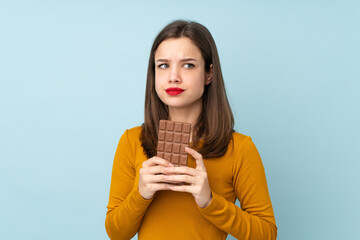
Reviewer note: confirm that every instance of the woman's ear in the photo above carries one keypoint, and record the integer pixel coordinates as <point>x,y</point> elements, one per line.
<point>209,75</point>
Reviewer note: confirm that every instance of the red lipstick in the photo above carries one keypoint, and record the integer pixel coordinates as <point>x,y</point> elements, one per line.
<point>174,91</point>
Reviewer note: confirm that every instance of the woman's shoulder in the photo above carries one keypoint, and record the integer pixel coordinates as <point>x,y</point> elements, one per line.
<point>242,142</point>
<point>132,135</point>
<point>134,132</point>
<point>240,138</point>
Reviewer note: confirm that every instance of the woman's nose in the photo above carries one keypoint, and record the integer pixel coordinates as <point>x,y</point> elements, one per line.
<point>175,75</point>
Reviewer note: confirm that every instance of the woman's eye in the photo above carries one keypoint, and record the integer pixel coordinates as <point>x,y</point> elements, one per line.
<point>163,66</point>
<point>189,65</point>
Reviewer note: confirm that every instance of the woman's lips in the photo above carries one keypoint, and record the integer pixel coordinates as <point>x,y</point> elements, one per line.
<point>174,91</point>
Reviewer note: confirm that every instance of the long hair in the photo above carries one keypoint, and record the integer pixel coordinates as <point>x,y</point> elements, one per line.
<point>215,124</point>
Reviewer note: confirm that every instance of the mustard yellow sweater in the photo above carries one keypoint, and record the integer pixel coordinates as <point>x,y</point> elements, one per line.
<point>175,215</point>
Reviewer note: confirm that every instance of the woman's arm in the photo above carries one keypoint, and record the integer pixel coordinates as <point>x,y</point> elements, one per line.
<point>126,207</point>
<point>255,219</point>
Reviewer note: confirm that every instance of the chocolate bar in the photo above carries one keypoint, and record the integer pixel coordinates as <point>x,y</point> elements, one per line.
<point>173,137</point>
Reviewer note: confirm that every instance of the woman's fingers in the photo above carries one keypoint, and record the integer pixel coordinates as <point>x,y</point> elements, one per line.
<point>157,174</point>
<point>153,170</point>
<point>182,188</point>
<point>196,179</point>
<point>150,178</point>
<point>156,161</point>
<point>193,153</point>
<point>158,186</point>
<point>161,178</point>
<point>198,157</point>
<point>181,170</point>
<point>179,179</point>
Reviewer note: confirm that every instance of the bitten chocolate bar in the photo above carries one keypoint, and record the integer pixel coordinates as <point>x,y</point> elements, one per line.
<point>173,137</point>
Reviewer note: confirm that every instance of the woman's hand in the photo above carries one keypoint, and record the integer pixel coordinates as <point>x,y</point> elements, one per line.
<point>197,180</point>
<point>151,178</point>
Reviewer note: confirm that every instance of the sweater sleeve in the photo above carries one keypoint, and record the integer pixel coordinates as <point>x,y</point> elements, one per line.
<point>255,219</point>
<point>126,206</point>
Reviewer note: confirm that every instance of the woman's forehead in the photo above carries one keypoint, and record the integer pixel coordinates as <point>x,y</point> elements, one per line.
<point>177,48</point>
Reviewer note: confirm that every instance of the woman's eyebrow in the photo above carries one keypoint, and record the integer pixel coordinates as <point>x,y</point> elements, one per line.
<point>188,59</point>
<point>162,60</point>
<point>182,60</point>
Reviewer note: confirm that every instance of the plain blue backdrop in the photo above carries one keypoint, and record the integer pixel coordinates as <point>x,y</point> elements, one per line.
<point>72,79</point>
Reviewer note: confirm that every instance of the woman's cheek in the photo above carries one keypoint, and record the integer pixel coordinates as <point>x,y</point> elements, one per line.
<point>158,92</point>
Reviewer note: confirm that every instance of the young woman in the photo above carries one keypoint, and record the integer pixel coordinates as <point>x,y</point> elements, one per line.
<point>150,196</point>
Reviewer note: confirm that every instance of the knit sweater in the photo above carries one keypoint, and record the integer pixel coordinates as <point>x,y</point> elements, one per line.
<point>238,174</point>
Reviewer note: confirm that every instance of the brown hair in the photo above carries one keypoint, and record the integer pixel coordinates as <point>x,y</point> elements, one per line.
<point>215,124</point>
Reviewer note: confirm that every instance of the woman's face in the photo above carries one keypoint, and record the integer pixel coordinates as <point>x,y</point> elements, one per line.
<point>180,75</point>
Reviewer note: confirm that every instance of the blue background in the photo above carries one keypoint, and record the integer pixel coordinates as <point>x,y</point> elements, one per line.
<point>72,79</point>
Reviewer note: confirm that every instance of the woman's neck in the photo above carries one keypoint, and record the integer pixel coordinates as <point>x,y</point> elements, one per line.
<point>180,115</point>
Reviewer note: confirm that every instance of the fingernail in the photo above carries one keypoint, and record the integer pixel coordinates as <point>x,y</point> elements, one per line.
<point>171,165</point>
